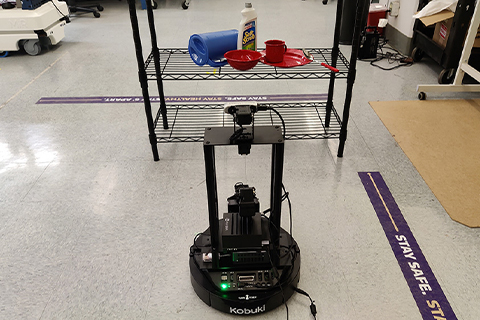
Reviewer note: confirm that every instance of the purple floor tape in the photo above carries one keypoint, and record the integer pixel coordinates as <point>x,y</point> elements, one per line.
<point>426,290</point>
<point>185,99</point>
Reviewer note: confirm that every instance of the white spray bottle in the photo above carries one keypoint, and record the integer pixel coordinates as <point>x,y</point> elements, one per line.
<point>247,31</point>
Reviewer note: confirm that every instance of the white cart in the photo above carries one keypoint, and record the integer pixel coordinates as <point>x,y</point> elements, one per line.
<point>32,28</point>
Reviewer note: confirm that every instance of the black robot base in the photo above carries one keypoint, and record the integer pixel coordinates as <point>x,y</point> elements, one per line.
<point>253,288</point>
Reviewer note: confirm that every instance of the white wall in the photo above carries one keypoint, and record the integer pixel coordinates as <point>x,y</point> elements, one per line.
<point>404,21</point>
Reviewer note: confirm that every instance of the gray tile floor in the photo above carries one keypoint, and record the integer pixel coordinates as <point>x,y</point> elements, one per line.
<point>92,228</point>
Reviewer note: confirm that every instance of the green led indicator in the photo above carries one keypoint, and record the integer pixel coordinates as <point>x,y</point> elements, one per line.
<point>224,286</point>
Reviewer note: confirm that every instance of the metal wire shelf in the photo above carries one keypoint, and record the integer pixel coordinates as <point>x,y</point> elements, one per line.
<point>176,64</point>
<point>187,122</point>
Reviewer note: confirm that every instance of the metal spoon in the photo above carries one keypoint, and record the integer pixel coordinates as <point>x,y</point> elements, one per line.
<point>309,56</point>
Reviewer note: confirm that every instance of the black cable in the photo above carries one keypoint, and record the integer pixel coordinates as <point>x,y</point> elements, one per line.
<point>270,258</point>
<point>196,237</point>
<point>392,56</point>
<point>290,210</point>
<point>279,283</point>
<point>284,196</point>
<point>313,307</point>
<point>265,107</point>
<point>236,134</point>
<point>64,17</point>
<point>281,119</point>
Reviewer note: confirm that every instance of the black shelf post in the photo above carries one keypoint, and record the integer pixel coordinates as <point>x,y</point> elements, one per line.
<point>333,63</point>
<point>142,77</point>
<point>362,5</point>
<point>156,61</point>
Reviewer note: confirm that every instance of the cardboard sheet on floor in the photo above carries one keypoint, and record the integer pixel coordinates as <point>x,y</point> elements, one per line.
<point>442,140</point>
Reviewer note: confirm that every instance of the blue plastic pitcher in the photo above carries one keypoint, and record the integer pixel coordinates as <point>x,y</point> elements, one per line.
<point>210,47</point>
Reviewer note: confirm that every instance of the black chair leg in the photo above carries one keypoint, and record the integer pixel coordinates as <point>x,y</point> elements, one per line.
<point>94,8</point>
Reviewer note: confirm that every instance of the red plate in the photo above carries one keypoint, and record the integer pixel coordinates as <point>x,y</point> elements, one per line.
<point>292,58</point>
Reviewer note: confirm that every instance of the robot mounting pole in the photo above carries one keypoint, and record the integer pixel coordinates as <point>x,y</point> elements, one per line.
<point>212,197</point>
<point>276,192</point>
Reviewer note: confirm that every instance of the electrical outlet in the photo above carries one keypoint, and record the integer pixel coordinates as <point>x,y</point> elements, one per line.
<point>394,8</point>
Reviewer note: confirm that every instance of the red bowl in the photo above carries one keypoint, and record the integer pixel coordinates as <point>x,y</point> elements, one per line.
<point>243,59</point>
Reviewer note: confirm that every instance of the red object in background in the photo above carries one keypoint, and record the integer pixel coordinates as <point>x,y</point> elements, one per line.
<point>375,13</point>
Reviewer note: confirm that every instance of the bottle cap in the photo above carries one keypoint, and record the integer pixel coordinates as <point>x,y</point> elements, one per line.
<point>248,4</point>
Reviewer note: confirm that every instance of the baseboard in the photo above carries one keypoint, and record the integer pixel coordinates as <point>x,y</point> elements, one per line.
<point>398,40</point>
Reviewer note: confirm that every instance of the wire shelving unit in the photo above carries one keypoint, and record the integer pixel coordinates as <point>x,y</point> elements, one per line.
<point>186,122</point>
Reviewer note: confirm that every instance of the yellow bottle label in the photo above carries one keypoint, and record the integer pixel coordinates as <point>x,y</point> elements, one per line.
<point>249,37</point>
